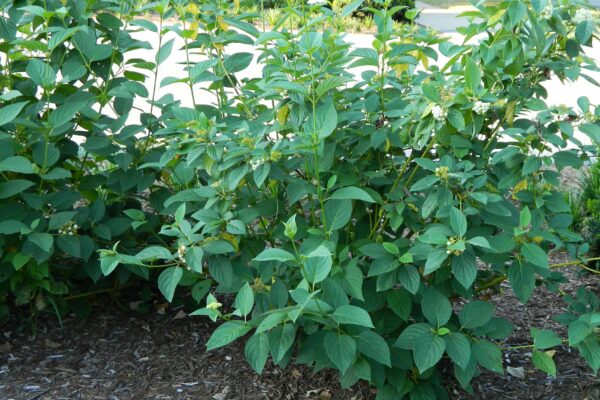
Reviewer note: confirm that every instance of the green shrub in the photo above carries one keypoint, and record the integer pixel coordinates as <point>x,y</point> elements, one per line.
<point>585,205</point>
<point>349,215</point>
<point>70,183</point>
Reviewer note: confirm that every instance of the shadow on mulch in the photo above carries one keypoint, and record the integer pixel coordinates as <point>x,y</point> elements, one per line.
<point>118,356</point>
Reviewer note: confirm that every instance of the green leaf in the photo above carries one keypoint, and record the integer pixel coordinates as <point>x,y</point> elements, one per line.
<point>578,331</point>
<point>352,315</point>
<point>257,351</point>
<point>472,74</point>
<point>244,301</point>
<point>400,302</point>
<point>316,269</point>
<point>517,11</point>
<point>592,130</point>
<point>261,173</point>
<point>341,350</point>
<point>324,120</point>
<point>337,214</point>
<point>154,253</point>
<point>488,355</point>
<point>42,240</point>
<point>13,187</point>
<point>544,339</point>
<point>271,320</point>
<point>535,255</point>
<point>424,183</point>
<point>436,307</point>
<point>406,340</point>
<point>435,260</point>
<point>428,351</point>
<point>9,112</point>
<point>330,83</point>
<point>458,222</point>
<point>410,278</point>
<point>16,164</point>
<point>544,362</point>
<point>227,333</point>
<point>476,314</point>
<point>456,119</point>
<point>280,340</point>
<point>374,346</point>
<point>464,268</point>
<point>41,73</point>
<point>522,280</point>
<point>11,226</point>
<point>109,263</point>
<point>350,8</point>
<point>275,255</point>
<point>525,217</point>
<point>237,62</point>
<point>168,280</point>
<point>531,165</point>
<point>584,31</point>
<point>352,193</point>
<point>458,349</point>
<point>164,52</point>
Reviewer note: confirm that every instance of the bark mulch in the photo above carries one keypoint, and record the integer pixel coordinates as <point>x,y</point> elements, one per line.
<point>119,356</point>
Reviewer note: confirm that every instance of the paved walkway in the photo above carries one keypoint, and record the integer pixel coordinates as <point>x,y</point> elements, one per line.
<point>443,19</point>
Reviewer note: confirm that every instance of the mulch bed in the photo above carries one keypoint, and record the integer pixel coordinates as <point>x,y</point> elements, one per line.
<point>120,356</point>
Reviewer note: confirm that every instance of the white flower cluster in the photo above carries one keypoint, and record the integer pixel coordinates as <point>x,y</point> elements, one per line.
<point>69,229</point>
<point>439,113</point>
<point>481,107</point>
<point>589,118</point>
<point>215,305</point>
<point>316,2</point>
<point>254,163</point>
<point>582,15</point>
<point>548,11</point>
<point>181,250</point>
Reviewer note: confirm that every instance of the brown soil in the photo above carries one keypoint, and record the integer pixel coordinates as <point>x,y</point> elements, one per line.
<point>119,356</point>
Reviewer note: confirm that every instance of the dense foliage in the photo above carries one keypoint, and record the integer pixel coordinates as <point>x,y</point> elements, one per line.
<point>355,202</point>
<point>584,200</point>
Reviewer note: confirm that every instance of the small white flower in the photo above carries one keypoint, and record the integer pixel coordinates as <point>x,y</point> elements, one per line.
<point>548,11</point>
<point>316,2</point>
<point>481,107</point>
<point>255,164</point>
<point>448,251</point>
<point>439,113</point>
<point>582,15</point>
<point>181,250</point>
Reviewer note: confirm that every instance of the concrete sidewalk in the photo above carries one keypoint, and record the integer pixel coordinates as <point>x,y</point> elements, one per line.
<point>442,19</point>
